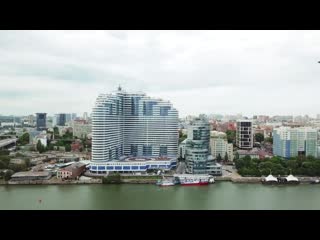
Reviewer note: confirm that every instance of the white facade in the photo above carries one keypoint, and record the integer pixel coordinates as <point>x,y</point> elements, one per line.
<point>230,152</point>
<point>133,124</point>
<point>80,130</point>
<point>219,145</point>
<point>42,138</point>
<point>182,149</point>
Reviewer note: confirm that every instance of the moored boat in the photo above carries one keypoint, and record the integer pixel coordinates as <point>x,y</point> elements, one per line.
<point>195,180</point>
<point>165,183</point>
<point>316,181</point>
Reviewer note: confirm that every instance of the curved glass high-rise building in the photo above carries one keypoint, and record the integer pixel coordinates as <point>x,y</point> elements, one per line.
<point>133,125</point>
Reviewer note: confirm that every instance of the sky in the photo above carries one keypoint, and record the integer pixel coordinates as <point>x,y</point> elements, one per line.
<point>210,72</point>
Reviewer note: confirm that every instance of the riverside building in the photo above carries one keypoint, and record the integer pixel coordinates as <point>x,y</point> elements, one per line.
<point>131,128</point>
<point>196,149</point>
<point>291,142</point>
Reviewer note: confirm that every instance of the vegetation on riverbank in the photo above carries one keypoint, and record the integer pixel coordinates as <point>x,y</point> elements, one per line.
<point>117,178</point>
<point>304,166</point>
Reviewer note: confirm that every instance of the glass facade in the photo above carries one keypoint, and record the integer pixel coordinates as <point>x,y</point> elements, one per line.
<point>197,152</point>
<point>290,142</point>
<point>132,124</point>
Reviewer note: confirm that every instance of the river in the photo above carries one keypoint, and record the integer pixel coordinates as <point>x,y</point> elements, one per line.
<point>218,196</point>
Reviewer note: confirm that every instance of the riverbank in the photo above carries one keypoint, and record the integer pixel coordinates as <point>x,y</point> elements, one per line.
<point>239,179</point>
<point>55,181</point>
<point>137,179</point>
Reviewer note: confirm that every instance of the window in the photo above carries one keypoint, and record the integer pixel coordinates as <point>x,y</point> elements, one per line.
<point>164,110</point>
<point>135,106</point>
<point>134,150</point>
<point>147,150</point>
<point>163,151</point>
<point>148,108</point>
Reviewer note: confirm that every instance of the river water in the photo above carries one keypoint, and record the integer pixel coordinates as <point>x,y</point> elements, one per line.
<point>218,196</point>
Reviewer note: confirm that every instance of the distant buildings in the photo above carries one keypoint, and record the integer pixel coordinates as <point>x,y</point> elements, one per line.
<point>244,134</point>
<point>41,121</point>
<point>73,116</point>
<point>291,142</point>
<point>29,121</point>
<point>81,128</point>
<point>219,146</point>
<point>42,137</point>
<point>197,154</point>
<point>85,116</point>
<point>59,119</point>
<point>262,118</point>
<point>133,125</point>
<point>288,118</point>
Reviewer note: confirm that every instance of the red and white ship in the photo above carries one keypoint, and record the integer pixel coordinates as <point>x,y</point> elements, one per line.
<point>194,180</point>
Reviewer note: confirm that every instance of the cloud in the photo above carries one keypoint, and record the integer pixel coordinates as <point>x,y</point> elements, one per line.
<point>249,72</point>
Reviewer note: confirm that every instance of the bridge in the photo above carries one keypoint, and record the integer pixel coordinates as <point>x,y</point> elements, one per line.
<point>8,142</point>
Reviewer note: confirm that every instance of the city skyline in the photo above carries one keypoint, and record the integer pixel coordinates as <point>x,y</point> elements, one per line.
<point>248,72</point>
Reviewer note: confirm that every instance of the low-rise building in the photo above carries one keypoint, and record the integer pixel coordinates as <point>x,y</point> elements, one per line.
<point>71,172</point>
<point>134,164</point>
<point>81,128</point>
<point>23,176</point>
<point>219,145</point>
<point>17,161</point>
<point>254,153</point>
<point>76,146</point>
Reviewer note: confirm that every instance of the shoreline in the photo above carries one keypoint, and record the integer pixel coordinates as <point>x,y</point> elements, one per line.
<point>136,180</point>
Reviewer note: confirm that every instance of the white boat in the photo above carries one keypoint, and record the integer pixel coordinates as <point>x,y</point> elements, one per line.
<point>165,183</point>
<point>192,180</point>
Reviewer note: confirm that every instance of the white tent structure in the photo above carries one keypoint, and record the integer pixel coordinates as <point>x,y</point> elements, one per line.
<point>271,178</point>
<point>291,178</point>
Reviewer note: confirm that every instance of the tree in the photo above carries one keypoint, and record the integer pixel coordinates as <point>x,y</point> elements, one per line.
<point>226,157</point>
<point>2,165</point>
<point>182,137</point>
<point>112,178</point>
<point>231,136</point>
<point>269,140</point>
<point>219,158</point>
<point>8,175</point>
<point>259,137</point>
<point>27,161</point>
<point>50,146</point>
<point>4,152</point>
<point>24,139</point>
<point>40,147</point>
<point>5,160</point>
<point>68,148</point>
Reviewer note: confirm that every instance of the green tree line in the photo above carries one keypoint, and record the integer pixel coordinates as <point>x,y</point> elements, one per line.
<point>305,166</point>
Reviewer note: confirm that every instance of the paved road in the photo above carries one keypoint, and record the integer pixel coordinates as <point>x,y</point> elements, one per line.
<point>229,171</point>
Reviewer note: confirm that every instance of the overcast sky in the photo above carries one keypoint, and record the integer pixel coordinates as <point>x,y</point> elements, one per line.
<point>227,72</point>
